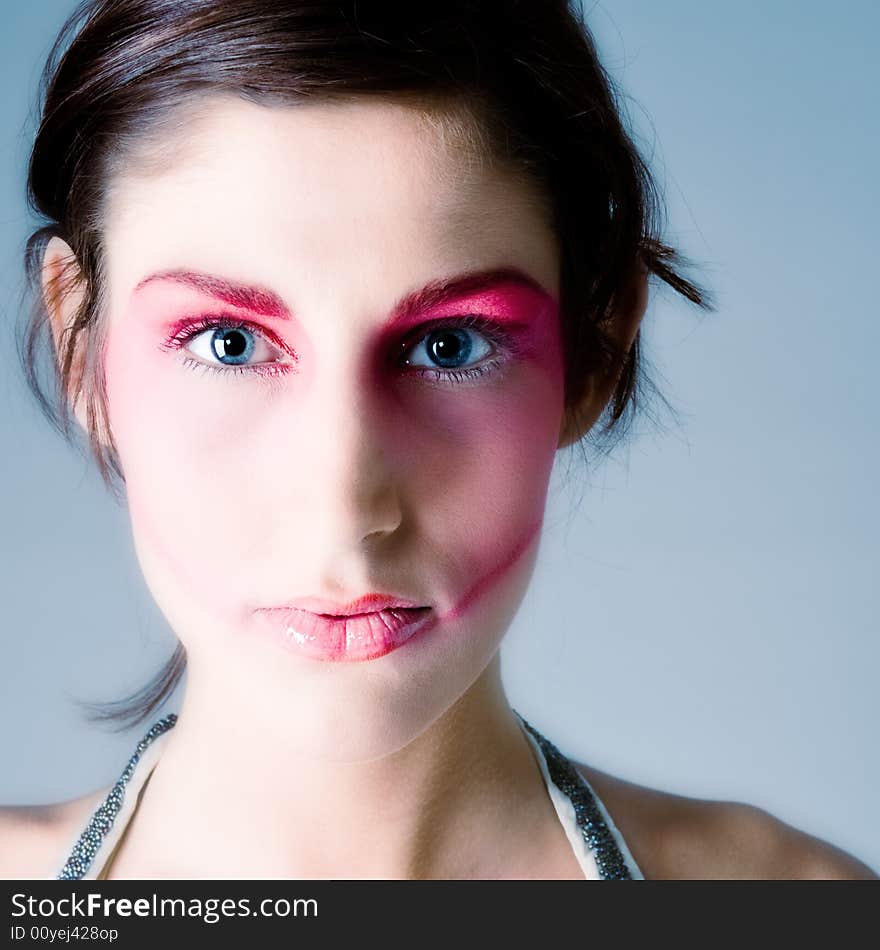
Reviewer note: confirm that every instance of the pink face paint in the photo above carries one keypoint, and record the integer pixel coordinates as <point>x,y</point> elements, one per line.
<point>248,498</point>
<point>264,302</point>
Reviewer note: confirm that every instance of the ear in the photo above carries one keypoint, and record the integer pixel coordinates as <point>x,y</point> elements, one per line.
<point>63,292</point>
<point>628,312</point>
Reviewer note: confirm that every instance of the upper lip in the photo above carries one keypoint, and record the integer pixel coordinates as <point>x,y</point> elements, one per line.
<point>368,603</point>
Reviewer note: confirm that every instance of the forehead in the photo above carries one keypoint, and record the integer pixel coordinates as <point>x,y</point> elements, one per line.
<point>324,194</point>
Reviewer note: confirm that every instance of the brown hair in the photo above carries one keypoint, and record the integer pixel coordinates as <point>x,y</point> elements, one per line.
<point>527,70</point>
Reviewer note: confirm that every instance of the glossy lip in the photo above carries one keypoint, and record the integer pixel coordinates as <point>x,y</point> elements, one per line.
<point>351,637</point>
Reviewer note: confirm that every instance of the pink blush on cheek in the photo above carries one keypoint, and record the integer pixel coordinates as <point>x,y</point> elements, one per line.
<point>493,574</point>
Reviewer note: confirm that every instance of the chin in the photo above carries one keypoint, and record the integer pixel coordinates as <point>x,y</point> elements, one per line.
<point>349,712</point>
<point>365,716</point>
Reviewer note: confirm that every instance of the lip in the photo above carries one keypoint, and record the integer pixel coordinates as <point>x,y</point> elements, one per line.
<point>350,637</point>
<point>361,605</point>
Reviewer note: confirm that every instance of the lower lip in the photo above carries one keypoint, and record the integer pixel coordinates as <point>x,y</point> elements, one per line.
<point>357,637</point>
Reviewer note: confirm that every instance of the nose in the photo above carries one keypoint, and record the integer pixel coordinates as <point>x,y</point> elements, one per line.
<point>350,487</point>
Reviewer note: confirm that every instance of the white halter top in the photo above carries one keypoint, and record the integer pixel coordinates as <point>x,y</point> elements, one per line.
<point>598,845</point>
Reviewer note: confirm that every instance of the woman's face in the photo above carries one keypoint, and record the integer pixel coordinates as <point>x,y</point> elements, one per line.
<point>349,429</point>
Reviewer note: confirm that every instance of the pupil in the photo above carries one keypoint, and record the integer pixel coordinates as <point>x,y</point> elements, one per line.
<point>232,343</point>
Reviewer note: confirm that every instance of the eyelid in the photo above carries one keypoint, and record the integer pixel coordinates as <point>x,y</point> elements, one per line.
<point>501,334</point>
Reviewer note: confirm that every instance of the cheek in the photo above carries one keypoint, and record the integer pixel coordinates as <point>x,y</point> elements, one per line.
<point>479,460</point>
<point>481,489</point>
<point>186,501</point>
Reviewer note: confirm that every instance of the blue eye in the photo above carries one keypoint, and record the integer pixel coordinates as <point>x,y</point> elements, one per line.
<point>225,345</point>
<point>232,346</point>
<point>449,349</point>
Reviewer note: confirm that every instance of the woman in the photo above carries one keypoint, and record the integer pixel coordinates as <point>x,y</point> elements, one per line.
<point>328,286</point>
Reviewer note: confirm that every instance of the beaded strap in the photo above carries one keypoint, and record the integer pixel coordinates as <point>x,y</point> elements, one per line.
<point>597,834</point>
<point>101,822</point>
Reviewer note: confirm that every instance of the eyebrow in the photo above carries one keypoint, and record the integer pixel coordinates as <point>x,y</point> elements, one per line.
<point>267,303</point>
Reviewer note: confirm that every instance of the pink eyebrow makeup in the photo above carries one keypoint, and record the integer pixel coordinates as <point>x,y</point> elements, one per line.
<point>489,290</point>
<point>484,285</point>
<point>261,302</point>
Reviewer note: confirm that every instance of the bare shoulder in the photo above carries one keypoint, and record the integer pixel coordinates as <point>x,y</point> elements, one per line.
<point>33,838</point>
<point>677,837</point>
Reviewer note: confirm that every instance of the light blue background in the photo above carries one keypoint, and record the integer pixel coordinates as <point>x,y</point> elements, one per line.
<point>706,620</point>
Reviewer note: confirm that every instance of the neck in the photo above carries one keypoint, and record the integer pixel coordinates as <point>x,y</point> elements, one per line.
<point>229,799</point>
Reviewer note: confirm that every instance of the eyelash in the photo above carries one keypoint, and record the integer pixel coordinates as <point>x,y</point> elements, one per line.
<point>497,336</point>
